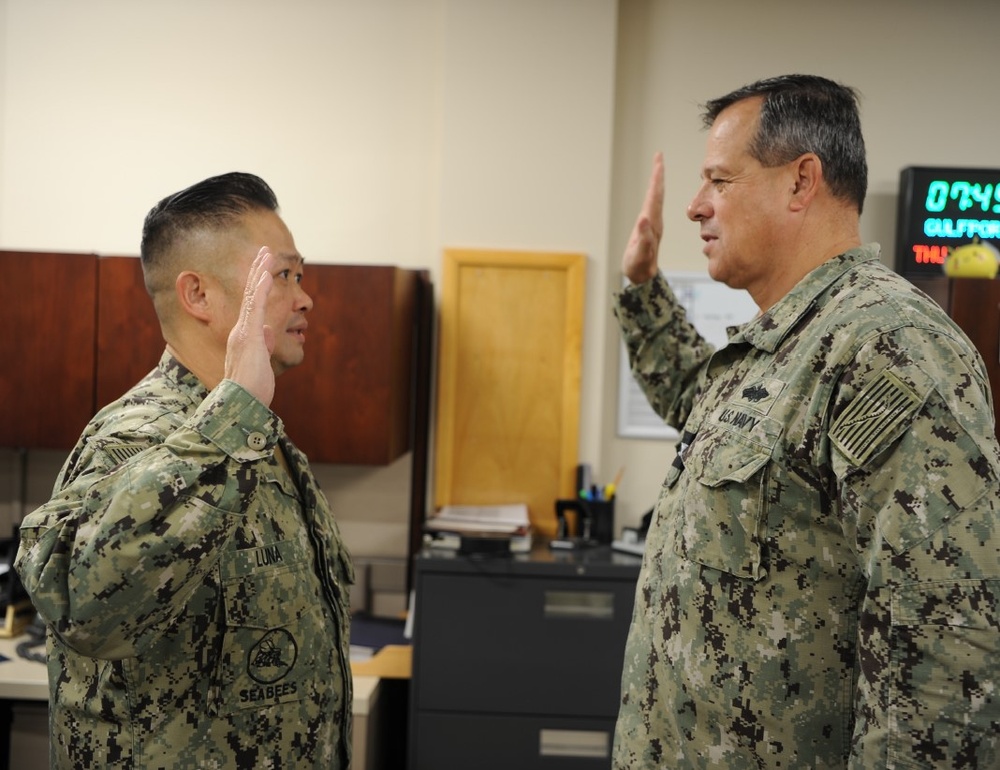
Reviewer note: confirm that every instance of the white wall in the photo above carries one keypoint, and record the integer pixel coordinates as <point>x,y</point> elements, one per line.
<point>3,86</point>
<point>112,104</point>
<point>526,160</point>
<point>392,129</point>
<point>389,129</point>
<point>928,98</point>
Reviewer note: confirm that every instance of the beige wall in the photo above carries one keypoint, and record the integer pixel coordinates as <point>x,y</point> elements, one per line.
<point>925,102</point>
<point>392,129</point>
<point>389,130</point>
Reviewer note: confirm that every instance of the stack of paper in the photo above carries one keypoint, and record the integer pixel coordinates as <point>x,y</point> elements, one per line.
<point>480,518</point>
<point>448,525</point>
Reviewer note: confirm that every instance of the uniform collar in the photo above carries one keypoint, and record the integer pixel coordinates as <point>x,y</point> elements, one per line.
<point>173,370</point>
<point>768,330</point>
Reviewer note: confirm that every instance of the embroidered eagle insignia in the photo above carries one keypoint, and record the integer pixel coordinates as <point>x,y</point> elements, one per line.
<point>755,393</point>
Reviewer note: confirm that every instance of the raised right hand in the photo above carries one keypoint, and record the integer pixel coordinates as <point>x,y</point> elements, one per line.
<point>251,342</point>
<point>639,262</point>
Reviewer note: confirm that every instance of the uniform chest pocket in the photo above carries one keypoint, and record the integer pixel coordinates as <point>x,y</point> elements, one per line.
<point>722,517</point>
<point>272,619</point>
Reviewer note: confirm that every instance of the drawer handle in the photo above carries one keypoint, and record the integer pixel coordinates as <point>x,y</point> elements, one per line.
<point>588,605</point>
<point>592,744</point>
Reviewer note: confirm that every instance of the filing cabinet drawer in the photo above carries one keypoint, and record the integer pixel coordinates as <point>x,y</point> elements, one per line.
<point>517,660</point>
<point>446,740</point>
<point>505,643</point>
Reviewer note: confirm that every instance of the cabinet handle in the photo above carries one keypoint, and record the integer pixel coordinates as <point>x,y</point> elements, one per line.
<point>592,744</point>
<point>588,605</point>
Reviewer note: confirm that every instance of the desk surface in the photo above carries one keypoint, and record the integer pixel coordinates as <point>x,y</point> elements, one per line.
<point>597,562</point>
<point>21,679</point>
<point>394,661</point>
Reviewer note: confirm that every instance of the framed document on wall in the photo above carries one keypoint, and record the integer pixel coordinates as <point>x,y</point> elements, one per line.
<point>712,307</point>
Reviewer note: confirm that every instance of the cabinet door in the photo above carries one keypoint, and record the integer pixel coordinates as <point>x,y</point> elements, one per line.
<point>508,407</point>
<point>48,319</point>
<point>975,306</point>
<point>129,342</point>
<point>82,331</point>
<point>350,400</point>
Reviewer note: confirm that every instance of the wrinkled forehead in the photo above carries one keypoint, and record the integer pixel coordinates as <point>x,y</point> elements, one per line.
<point>731,136</point>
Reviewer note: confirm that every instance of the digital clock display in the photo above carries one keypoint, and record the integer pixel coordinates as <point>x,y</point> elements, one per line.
<point>941,209</point>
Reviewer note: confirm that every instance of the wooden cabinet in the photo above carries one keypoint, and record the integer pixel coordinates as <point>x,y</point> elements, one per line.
<point>517,660</point>
<point>129,342</point>
<point>48,317</point>
<point>350,400</point>
<point>974,304</point>
<point>81,330</point>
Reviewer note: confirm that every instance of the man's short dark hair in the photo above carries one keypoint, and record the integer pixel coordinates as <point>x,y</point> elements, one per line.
<point>807,113</point>
<point>212,203</point>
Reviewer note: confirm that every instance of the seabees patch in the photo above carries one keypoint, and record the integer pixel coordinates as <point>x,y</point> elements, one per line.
<point>878,409</point>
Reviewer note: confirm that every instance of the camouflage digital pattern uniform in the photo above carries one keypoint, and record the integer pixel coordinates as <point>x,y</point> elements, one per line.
<point>196,590</point>
<point>821,581</point>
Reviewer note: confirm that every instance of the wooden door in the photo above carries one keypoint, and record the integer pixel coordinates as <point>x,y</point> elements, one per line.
<point>509,380</point>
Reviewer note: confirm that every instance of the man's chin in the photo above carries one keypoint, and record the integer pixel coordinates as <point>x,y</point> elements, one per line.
<point>283,364</point>
<point>715,271</point>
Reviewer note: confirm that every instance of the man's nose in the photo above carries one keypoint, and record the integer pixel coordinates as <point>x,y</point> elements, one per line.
<point>697,209</point>
<point>303,302</point>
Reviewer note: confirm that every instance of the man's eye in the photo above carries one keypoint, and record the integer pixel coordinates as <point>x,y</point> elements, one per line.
<point>284,274</point>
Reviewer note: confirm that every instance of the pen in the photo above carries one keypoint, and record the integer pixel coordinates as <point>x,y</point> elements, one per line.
<point>609,490</point>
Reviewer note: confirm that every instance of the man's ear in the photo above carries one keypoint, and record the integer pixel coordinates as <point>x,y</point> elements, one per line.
<point>808,170</point>
<point>192,295</point>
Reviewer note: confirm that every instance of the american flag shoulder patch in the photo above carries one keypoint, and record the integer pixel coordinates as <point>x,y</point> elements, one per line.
<point>120,453</point>
<point>876,411</point>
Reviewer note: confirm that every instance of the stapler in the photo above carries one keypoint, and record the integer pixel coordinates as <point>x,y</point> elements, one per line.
<point>563,539</point>
<point>633,539</point>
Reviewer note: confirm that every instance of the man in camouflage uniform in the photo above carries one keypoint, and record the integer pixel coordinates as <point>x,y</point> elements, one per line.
<point>821,581</point>
<point>188,566</point>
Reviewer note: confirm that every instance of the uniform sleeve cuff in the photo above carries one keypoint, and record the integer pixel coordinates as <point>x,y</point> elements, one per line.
<point>238,423</point>
<point>644,304</point>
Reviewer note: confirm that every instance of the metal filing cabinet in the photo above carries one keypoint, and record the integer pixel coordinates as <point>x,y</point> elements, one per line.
<point>517,659</point>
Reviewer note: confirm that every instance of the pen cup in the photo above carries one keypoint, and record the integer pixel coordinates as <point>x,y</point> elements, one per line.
<point>595,519</point>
